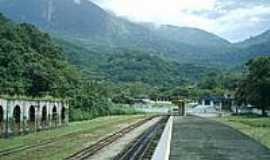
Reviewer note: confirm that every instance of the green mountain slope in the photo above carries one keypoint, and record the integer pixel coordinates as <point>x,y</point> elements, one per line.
<point>133,65</point>
<point>257,46</point>
<point>30,63</point>
<point>92,26</point>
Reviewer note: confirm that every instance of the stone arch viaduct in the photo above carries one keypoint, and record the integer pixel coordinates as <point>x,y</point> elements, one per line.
<point>22,115</point>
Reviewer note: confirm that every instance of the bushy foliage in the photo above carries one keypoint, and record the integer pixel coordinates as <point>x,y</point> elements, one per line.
<point>255,87</point>
<point>32,65</point>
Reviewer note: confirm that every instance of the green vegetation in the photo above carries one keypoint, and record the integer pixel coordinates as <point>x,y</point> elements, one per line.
<point>137,66</point>
<point>253,126</point>
<point>97,78</point>
<point>122,66</point>
<point>135,73</point>
<point>66,141</point>
<point>32,65</point>
<point>255,87</point>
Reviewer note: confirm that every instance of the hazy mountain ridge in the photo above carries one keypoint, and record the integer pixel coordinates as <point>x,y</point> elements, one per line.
<point>257,46</point>
<point>89,23</point>
<point>256,40</point>
<point>91,27</point>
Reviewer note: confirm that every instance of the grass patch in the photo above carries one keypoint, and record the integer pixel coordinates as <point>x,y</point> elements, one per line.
<point>115,109</point>
<point>66,141</point>
<point>253,126</point>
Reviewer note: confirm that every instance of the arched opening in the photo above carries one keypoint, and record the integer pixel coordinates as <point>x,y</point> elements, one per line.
<point>54,116</point>
<point>32,117</point>
<point>1,119</point>
<point>44,116</point>
<point>17,118</point>
<point>63,115</point>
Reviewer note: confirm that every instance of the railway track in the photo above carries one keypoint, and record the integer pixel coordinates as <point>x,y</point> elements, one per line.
<point>143,147</point>
<point>18,149</point>
<point>91,150</point>
<point>7,152</point>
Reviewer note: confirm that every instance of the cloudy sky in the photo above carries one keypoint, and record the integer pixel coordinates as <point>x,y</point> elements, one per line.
<point>234,20</point>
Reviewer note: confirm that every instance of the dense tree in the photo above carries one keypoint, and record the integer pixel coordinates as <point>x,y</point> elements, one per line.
<point>32,65</point>
<point>255,88</point>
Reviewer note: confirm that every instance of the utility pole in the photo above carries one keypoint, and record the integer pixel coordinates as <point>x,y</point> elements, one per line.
<point>220,108</point>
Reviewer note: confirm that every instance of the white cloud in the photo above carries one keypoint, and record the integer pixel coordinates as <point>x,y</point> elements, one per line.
<point>225,18</point>
<point>77,1</point>
<point>151,9</point>
<point>242,23</point>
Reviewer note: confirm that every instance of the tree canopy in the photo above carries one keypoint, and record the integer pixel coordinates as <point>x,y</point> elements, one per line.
<point>30,63</point>
<point>255,87</point>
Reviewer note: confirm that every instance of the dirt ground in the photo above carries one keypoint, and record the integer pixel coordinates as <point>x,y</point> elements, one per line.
<point>201,139</point>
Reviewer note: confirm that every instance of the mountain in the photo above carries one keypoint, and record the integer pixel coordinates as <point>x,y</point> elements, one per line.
<point>257,40</point>
<point>90,26</point>
<point>32,65</point>
<point>132,65</point>
<point>63,16</point>
<point>257,46</point>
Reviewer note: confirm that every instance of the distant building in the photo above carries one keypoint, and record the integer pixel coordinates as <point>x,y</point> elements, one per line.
<point>214,101</point>
<point>210,101</point>
<point>23,115</point>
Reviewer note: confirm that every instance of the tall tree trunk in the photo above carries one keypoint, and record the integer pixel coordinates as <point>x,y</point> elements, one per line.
<point>237,110</point>
<point>264,111</point>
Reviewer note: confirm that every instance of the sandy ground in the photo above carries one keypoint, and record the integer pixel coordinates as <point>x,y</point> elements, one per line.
<point>197,138</point>
<point>115,148</point>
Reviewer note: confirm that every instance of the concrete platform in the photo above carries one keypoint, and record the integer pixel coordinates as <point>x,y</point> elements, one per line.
<point>162,151</point>
<point>201,139</point>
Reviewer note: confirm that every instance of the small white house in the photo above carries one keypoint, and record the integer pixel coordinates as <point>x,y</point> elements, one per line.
<point>210,101</point>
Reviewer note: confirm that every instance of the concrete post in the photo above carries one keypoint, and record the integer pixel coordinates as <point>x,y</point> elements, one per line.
<point>50,115</point>
<point>184,110</point>
<point>21,119</point>
<point>7,120</point>
<point>67,117</point>
<point>203,102</point>
<point>220,109</point>
<point>60,113</point>
<point>212,103</point>
<point>25,126</point>
<point>35,120</point>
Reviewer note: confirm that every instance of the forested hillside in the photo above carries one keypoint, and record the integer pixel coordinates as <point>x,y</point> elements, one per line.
<point>122,66</point>
<point>92,26</point>
<point>257,46</point>
<point>30,63</point>
<point>96,59</point>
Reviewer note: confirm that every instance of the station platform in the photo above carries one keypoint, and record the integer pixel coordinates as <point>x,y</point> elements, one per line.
<point>195,138</point>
